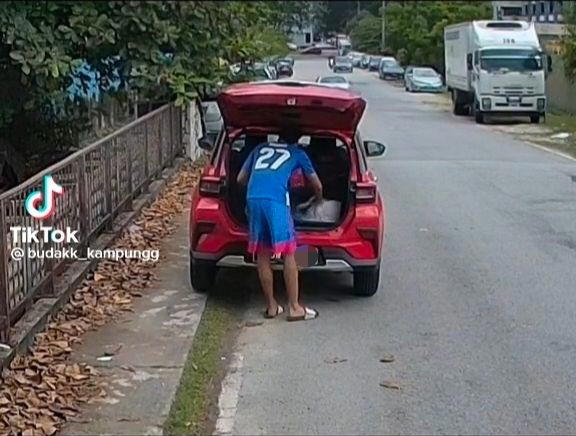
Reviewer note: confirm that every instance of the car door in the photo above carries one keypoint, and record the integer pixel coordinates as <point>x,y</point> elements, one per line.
<point>408,75</point>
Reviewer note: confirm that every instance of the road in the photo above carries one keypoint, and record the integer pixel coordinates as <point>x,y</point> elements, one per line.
<point>476,303</point>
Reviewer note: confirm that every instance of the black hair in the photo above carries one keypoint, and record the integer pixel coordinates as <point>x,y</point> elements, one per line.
<point>289,134</point>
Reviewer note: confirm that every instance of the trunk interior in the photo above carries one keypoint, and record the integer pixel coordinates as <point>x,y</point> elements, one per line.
<point>331,160</point>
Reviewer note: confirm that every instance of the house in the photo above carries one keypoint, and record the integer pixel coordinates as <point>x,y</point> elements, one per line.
<point>548,16</point>
<point>548,11</point>
<point>302,36</point>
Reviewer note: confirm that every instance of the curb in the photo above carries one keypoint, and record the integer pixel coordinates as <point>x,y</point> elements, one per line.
<point>36,318</point>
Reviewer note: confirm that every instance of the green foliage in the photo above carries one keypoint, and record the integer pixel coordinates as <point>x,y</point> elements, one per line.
<point>366,34</point>
<point>417,28</point>
<point>569,43</point>
<point>165,50</point>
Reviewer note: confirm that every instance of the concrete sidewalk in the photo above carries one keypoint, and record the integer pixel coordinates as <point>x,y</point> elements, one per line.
<point>150,347</point>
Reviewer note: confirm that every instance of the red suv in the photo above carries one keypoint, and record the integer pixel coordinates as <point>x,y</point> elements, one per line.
<point>349,240</point>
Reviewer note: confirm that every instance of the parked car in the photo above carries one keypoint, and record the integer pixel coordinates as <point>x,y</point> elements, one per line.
<point>374,63</point>
<point>212,119</point>
<point>284,67</point>
<point>365,61</point>
<point>342,65</point>
<point>355,58</point>
<point>390,69</point>
<point>310,50</point>
<point>263,71</point>
<point>423,79</point>
<point>334,81</point>
<point>329,119</point>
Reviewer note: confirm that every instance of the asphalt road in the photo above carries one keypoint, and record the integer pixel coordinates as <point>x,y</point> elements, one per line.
<point>477,298</point>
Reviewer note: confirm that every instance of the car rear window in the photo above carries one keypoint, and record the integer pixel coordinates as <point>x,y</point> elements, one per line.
<point>304,141</point>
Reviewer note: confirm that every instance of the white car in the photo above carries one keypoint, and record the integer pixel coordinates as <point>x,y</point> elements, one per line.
<point>334,81</point>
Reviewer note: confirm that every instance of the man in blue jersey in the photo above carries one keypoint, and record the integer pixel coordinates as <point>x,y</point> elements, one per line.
<point>267,170</point>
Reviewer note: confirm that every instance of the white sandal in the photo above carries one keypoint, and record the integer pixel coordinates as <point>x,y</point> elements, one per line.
<point>279,311</point>
<point>308,315</point>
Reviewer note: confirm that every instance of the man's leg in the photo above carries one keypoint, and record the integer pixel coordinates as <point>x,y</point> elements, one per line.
<point>267,282</point>
<point>291,281</point>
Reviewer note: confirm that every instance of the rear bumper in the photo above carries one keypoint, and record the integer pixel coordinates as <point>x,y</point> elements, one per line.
<point>391,76</point>
<point>428,89</point>
<point>355,243</point>
<point>333,260</point>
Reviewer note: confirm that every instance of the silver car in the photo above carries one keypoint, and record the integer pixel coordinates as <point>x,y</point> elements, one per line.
<point>334,82</point>
<point>422,79</point>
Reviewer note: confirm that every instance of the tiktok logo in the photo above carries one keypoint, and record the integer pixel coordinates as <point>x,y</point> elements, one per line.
<point>45,197</point>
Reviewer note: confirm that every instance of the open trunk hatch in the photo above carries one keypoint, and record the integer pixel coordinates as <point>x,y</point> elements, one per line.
<point>314,107</point>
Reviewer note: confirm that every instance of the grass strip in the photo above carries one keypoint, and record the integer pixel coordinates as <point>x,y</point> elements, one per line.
<point>190,410</point>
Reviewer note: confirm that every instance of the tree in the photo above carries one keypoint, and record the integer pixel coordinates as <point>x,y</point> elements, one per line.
<point>366,34</point>
<point>568,43</point>
<point>417,28</point>
<point>162,50</point>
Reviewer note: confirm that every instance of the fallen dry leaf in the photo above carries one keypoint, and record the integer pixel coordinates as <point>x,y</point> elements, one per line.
<point>388,358</point>
<point>390,385</point>
<point>335,360</point>
<point>44,389</point>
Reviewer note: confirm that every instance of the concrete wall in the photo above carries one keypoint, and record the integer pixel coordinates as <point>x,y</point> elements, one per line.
<point>561,93</point>
<point>193,131</point>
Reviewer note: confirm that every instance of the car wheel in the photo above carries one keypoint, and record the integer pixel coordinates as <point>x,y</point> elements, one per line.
<point>202,275</point>
<point>535,119</point>
<point>478,115</point>
<point>366,281</point>
<point>458,108</point>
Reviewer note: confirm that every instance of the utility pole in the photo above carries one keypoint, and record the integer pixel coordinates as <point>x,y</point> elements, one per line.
<point>383,42</point>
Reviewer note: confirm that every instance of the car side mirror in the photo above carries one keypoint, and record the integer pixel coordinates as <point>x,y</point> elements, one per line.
<point>205,143</point>
<point>469,61</point>
<point>374,149</point>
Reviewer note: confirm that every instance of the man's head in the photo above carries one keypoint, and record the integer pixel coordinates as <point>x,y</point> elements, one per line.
<point>289,134</point>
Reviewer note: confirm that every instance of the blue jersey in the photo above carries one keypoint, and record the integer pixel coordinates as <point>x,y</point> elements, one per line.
<point>270,166</point>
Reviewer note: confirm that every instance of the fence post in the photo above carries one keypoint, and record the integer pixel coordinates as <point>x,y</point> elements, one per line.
<point>4,310</point>
<point>128,146</point>
<point>84,208</point>
<point>146,156</point>
<point>171,127</point>
<point>160,140</point>
<point>108,183</point>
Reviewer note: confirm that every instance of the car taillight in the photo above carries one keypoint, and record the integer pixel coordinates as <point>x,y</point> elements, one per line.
<point>211,186</point>
<point>365,192</point>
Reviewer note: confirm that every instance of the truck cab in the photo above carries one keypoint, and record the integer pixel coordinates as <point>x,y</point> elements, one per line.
<point>495,67</point>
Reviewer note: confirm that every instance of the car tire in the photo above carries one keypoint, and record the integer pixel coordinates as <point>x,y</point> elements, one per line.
<point>478,114</point>
<point>458,108</point>
<point>202,275</point>
<point>535,119</point>
<point>366,281</point>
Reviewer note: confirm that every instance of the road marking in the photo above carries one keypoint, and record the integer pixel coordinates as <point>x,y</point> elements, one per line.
<point>229,395</point>
<point>551,150</point>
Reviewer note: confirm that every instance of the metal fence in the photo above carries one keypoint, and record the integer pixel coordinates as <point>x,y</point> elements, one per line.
<point>99,182</point>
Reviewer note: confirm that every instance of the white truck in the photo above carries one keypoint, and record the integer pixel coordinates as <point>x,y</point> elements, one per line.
<point>495,67</point>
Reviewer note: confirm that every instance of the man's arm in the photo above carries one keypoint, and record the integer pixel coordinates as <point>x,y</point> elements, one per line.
<point>243,176</point>
<point>244,173</point>
<point>313,179</point>
<point>316,186</point>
